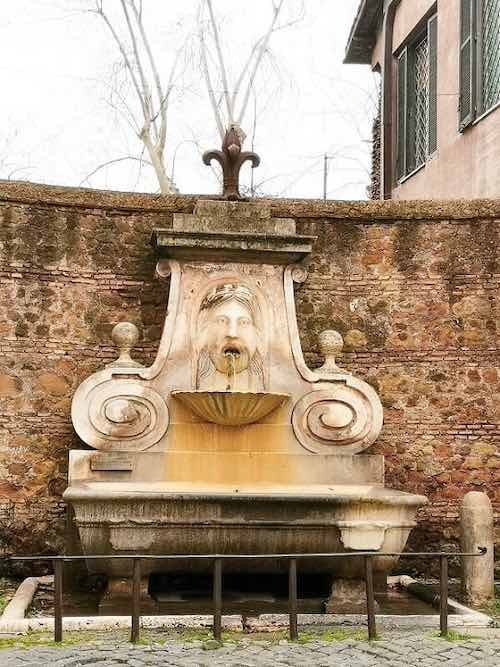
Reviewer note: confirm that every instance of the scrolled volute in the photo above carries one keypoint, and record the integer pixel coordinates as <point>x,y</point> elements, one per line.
<point>118,414</point>
<point>341,417</point>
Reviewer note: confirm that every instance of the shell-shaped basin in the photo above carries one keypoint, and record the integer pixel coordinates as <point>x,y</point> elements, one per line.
<point>231,408</point>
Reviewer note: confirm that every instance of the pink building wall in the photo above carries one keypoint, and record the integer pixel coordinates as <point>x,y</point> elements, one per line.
<point>466,165</point>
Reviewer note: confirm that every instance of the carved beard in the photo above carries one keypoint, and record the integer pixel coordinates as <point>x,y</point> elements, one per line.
<point>206,366</point>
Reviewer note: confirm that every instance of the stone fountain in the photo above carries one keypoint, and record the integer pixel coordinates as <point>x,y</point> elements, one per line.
<point>229,443</point>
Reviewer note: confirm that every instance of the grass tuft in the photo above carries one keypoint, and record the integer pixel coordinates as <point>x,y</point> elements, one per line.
<point>186,635</point>
<point>452,636</point>
<point>38,639</point>
<point>332,635</point>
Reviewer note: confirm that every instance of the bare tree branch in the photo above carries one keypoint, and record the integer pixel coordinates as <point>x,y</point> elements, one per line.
<point>235,100</point>
<point>260,53</point>
<point>123,52</point>
<point>128,115</point>
<point>222,64</point>
<point>256,46</point>
<point>139,171</point>
<point>146,94</point>
<point>208,81</point>
<point>17,170</point>
<point>110,162</point>
<point>163,109</point>
<point>139,65</point>
<point>166,97</point>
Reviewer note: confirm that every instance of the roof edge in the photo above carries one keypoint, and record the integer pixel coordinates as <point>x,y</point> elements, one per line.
<point>362,37</point>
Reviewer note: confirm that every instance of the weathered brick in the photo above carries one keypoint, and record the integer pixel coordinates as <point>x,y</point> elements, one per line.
<point>413,287</point>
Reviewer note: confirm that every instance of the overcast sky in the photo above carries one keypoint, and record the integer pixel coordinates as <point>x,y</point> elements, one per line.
<point>57,124</point>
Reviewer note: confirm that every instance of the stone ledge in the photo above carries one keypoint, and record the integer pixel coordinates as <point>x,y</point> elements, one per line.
<point>185,222</point>
<point>366,211</point>
<point>232,246</point>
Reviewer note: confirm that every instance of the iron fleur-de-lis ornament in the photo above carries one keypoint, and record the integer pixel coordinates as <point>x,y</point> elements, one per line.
<point>231,158</point>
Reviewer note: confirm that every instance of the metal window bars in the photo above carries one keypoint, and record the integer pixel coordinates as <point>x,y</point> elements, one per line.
<point>217,560</point>
<point>421,98</point>
<point>490,53</point>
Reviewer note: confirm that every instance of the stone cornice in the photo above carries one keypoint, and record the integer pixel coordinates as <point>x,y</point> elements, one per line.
<point>23,192</point>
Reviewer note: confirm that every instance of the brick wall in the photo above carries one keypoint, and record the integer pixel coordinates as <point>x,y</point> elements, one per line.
<point>412,286</point>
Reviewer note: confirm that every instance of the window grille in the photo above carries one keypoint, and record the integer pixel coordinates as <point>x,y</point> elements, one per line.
<point>421,97</point>
<point>490,39</point>
<point>417,101</point>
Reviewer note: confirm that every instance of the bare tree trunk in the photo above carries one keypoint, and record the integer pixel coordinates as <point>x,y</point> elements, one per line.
<point>156,158</point>
<point>141,67</point>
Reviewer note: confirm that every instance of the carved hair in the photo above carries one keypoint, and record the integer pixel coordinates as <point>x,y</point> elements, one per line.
<point>232,292</point>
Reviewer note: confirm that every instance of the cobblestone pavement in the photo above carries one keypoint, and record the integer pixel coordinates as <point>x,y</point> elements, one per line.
<point>394,650</point>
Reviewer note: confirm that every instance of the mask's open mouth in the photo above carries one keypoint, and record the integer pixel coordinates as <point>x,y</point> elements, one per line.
<point>231,351</point>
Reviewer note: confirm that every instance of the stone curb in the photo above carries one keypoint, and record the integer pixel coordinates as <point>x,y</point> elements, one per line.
<point>263,623</point>
<point>78,623</point>
<point>272,622</point>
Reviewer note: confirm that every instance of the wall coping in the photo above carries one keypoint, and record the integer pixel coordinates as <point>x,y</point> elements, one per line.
<point>24,192</point>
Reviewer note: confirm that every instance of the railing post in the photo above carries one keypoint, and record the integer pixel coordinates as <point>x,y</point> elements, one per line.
<point>217,599</point>
<point>292,598</point>
<point>58,599</point>
<point>370,598</point>
<point>136,600</point>
<point>443,596</point>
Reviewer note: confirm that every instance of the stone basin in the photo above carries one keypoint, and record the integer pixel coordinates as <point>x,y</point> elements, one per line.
<point>177,518</point>
<point>231,408</point>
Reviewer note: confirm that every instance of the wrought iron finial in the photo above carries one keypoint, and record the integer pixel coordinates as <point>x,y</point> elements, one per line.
<point>231,159</point>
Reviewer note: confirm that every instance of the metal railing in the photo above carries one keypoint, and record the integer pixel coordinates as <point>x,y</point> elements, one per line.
<point>217,559</point>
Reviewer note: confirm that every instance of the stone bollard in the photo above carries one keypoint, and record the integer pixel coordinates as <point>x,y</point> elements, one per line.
<point>476,519</point>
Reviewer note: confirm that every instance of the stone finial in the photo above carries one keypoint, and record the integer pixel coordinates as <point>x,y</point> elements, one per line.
<point>331,345</point>
<point>125,336</point>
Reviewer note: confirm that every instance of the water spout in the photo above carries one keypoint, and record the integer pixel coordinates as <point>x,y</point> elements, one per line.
<point>231,357</point>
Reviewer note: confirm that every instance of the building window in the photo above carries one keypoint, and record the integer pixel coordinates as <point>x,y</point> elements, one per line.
<point>421,96</point>
<point>417,100</point>
<point>479,58</point>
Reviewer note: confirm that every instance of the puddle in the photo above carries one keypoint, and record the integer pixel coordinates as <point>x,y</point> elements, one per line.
<point>74,604</point>
<point>399,602</point>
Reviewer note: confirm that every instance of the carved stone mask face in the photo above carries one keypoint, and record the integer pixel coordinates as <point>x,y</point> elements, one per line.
<point>231,336</point>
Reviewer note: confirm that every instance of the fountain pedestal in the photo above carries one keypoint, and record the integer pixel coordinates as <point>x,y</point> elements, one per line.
<point>229,443</point>
<point>118,596</point>
<point>347,596</point>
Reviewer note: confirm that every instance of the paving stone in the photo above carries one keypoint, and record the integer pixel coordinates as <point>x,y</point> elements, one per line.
<point>398,650</point>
